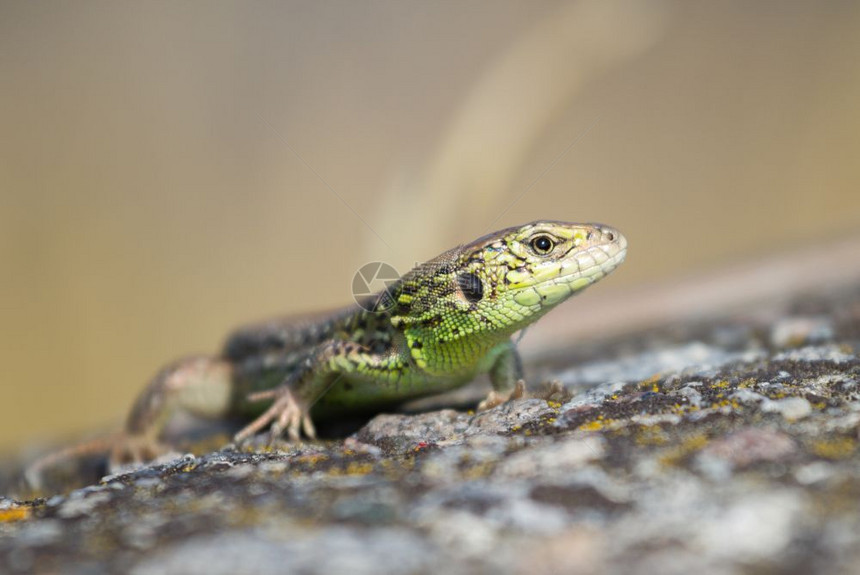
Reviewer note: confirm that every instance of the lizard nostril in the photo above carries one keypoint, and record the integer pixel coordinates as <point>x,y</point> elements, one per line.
<point>610,236</point>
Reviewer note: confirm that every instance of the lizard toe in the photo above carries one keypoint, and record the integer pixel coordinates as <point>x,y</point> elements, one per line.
<point>495,398</point>
<point>285,414</point>
<point>308,427</point>
<point>135,449</point>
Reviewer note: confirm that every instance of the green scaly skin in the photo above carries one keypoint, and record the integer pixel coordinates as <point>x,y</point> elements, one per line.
<point>435,329</point>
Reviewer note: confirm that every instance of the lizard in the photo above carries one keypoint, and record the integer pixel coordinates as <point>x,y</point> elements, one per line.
<point>432,330</point>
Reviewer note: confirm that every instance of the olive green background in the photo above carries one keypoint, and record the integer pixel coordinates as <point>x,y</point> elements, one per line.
<point>171,170</point>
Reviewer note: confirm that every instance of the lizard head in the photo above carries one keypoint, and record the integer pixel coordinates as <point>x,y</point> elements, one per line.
<point>505,280</point>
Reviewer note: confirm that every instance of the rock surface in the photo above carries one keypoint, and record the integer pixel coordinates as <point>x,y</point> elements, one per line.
<point>713,447</point>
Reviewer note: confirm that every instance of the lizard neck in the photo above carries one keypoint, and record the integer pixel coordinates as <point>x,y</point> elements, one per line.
<point>435,352</point>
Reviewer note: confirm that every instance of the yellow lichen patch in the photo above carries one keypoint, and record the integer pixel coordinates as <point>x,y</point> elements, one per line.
<point>596,424</point>
<point>838,448</point>
<point>650,384</point>
<point>725,403</point>
<point>359,468</point>
<point>478,471</point>
<point>310,459</point>
<point>651,435</point>
<point>688,446</point>
<point>15,514</point>
<point>402,465</point>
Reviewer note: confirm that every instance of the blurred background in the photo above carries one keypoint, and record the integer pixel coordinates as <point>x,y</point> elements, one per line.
<point>169,171</point>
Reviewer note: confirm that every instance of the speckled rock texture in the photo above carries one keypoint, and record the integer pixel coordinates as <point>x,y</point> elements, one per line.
<point>726,446</point>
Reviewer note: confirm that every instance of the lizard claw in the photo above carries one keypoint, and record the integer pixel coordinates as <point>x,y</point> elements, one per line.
<point>495,398</point>
<point>135,450</point>
<point>285,413</point>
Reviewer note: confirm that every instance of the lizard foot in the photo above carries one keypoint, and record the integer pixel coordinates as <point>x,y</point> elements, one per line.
<point>34,472</point>
<point>135,449</point>
<point>555,391</point>
<point>121,448</point>
<point>495,398</point>
<point>285,413</point>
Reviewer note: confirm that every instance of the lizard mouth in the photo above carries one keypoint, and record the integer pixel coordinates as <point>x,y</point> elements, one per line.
<point>580,268</point>
<point>596,261</point>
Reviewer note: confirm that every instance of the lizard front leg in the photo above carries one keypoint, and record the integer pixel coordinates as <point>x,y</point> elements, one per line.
<point>506,377</point>
<point>316,374</point>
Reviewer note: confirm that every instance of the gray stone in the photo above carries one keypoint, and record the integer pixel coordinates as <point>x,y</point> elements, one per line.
<point>700,448</point>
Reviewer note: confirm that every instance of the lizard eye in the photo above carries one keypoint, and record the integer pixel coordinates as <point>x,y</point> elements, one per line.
<point>542,245</point>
